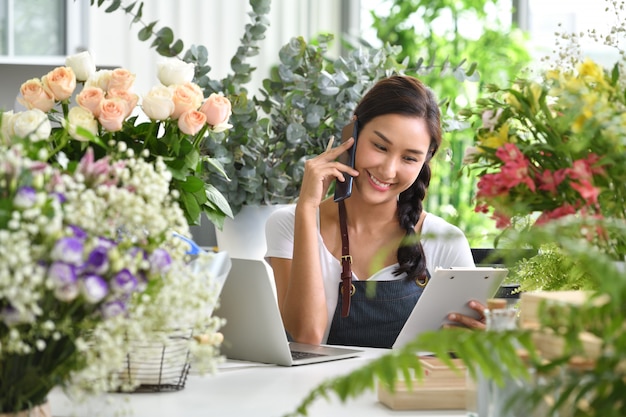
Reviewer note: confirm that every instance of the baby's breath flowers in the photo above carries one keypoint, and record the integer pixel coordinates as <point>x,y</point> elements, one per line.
<point>90,261</point>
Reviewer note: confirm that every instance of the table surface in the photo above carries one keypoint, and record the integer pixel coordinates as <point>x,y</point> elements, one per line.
<point>242,389</point>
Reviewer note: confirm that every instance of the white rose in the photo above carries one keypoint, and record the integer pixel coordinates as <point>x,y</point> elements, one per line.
<point>82,64</point>
<point>83,118</point>
<point>6,127</point>
<point>100,79</point>
<point>32,124</point>
<point>175,71</point>
<point>158,104</point>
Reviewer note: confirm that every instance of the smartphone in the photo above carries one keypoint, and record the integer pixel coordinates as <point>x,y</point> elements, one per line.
<point>343,190</point>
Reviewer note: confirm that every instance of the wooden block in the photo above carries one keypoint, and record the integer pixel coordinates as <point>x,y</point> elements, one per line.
<point>424,398</point>
<point>550,345</point>
<point>530,301</point>
<point>441,388</point>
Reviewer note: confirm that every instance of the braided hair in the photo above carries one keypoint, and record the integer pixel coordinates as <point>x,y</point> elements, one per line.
<point>406,95</point>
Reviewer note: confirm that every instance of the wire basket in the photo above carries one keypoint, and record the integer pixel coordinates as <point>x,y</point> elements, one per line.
<point>158,366</point>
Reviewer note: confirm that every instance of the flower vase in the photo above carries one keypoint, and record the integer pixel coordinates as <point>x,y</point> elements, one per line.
<point>243,236</point>
<point>41,410</point>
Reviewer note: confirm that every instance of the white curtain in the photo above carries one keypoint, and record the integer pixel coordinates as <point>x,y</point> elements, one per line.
<point>216,24</point>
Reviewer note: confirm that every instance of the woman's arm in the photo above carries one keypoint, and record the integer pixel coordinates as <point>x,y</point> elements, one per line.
<point>299,282</point>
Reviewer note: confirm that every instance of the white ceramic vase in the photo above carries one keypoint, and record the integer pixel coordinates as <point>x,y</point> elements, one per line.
<point>243,236</point>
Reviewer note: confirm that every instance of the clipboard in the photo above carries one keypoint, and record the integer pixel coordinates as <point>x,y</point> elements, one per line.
<point>449,290</point>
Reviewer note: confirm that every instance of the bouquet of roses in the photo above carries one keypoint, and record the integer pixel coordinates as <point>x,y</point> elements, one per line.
<point>554,148</point>
<point>172,121</point>
<point>90,263</point>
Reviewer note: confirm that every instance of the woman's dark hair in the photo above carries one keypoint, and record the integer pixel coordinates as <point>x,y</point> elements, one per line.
<point>407,96</point>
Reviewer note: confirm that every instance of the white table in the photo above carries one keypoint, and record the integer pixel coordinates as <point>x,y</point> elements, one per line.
<point>242,389</point>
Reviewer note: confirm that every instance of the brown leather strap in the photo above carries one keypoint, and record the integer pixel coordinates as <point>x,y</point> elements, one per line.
<point>346,262</point>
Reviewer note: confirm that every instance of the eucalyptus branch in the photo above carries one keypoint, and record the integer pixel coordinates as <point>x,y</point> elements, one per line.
<point>164,42</point>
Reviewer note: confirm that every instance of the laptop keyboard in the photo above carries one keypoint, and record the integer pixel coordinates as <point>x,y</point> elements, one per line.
<point>295,355</point>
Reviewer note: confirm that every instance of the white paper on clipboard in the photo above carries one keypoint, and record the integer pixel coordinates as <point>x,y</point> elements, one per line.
<point>449,290</point>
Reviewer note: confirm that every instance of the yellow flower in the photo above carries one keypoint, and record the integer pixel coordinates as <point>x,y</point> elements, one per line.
<point>588,108</point>
<point>495,139</point>
<point>535,91</point>
<point>590,71</point>
<point>512,101</point>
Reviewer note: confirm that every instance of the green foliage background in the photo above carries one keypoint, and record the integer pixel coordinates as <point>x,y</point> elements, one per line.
<point>434,31</point>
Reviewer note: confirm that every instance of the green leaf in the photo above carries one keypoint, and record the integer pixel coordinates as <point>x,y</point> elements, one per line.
<point>130,7</point>
<point>139,13</point>
<point>177,47</point>
<point>216,165</point>
<point>115,4</point>
<point>191,207</point>
<point>217,198</point>
<point>145,33</point>
<point>192,184</point>
<point>165,35</point>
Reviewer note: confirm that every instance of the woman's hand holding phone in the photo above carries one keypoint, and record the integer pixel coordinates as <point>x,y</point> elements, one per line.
<point>343,189</point>
<point>320,171</point>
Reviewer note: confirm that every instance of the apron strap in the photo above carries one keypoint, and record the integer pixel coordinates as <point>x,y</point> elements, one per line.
<point>346,262</point>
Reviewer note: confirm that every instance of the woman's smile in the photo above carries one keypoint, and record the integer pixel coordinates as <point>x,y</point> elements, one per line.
<point>378,184</point>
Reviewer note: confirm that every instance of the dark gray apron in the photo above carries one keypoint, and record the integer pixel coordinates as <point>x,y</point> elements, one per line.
<point>374,320</point>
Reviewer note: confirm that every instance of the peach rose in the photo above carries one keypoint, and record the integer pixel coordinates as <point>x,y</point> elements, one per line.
<point>131,99</point>
<point>79,117</point>
<point>112,113</point>
<point>121,79</point>
<point>34,96</point>
<point>158,104</point>
<point>60,83</point>
<point>217,109</point>
<point>32,124</point>
<point>90,99</point>
<point>82,64</point>
<point>186,97</point>
<point>100,79</point>
<point>191,121</point>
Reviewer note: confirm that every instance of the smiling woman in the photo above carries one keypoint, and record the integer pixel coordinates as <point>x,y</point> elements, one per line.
<point>394,241</point>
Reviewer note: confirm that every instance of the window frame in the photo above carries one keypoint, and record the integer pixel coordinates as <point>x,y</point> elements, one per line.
<point>76,36</point>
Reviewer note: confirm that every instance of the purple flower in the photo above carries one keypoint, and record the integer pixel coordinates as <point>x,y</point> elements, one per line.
<point>124,281</point>
<point>25,197</point>
<point>160,261</point>
<point>135,251</point>
<point>78,232</point>
<point>105,242</point>
<point>68,250</point>
<point>98,260</point>
<point>94,288</point>
<point>59,196</point>
<point>63,276</point>
<point>113,308</point>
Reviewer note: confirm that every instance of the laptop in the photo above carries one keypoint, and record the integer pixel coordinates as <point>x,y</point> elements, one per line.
<point>254,329</point>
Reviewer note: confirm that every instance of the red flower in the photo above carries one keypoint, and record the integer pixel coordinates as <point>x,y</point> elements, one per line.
<point>564,210</point>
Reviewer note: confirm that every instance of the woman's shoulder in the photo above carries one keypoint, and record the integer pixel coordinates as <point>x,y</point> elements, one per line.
<point>286,212</point>
<point>434,224</point>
